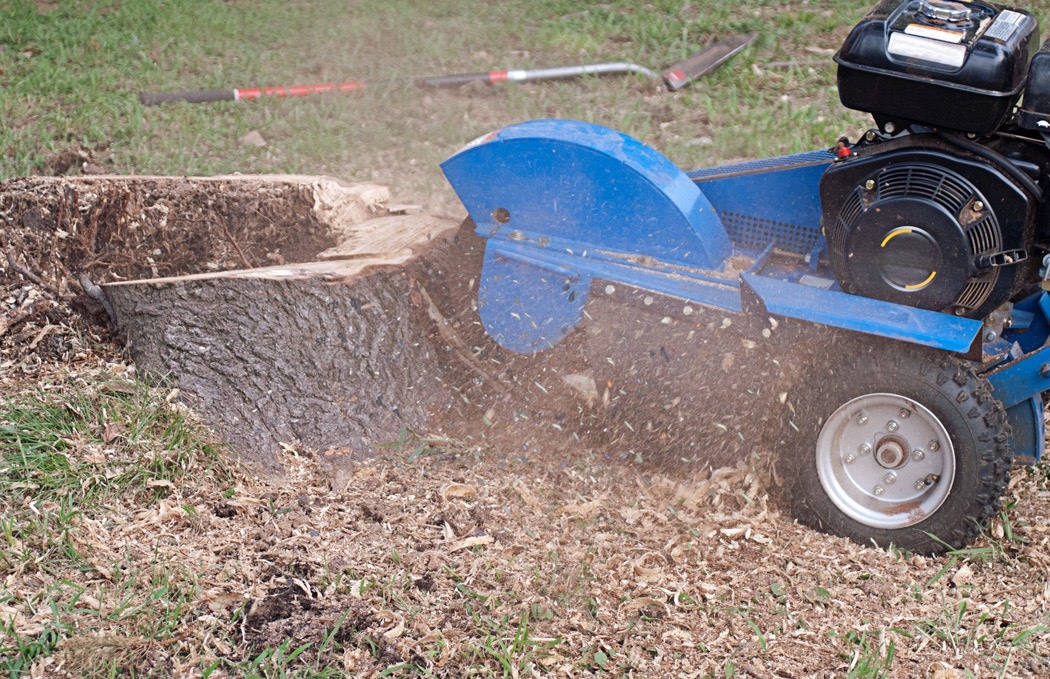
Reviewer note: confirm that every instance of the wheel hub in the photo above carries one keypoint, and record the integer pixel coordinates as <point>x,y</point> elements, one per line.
<point>885,460</point>
<point>891,452</point>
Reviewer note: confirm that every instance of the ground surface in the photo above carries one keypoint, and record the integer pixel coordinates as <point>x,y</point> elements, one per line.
<point>465,561</point>
<point>528,532</point>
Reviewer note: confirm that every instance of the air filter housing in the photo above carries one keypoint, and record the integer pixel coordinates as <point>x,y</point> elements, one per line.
<point>956,65</point>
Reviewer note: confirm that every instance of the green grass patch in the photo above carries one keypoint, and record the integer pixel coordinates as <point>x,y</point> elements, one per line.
<point>72,72</point>
<point>83,445</point>
<point>70,454</point>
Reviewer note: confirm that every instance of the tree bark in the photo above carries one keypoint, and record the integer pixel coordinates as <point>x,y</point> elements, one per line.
<point>328,355</point>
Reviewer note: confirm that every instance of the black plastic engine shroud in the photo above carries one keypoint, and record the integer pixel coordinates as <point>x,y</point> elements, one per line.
<point>968,79</point>
<point>909,221</point>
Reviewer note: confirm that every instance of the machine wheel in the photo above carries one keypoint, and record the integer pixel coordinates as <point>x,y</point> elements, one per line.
<point>897,446</point>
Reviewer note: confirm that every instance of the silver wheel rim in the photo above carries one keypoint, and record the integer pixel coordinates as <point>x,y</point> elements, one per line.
<point>885,461</point>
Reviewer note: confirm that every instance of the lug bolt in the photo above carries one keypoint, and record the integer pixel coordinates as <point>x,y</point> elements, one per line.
<point>870,184</point>
<point>920,484</point>
<point>892,425</point>
<point>865,449</point>
<point>919,455</point>
<point>862,419</point>
<point>890,128</point>
<point>978,206</point>
<point>879,491</point>
<point>850,458</point>
<point>890,479</point>
<point>934,446</point>
<point>905,413</point>
<point>870,135</point>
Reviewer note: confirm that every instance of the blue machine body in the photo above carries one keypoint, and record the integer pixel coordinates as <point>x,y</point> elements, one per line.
<point>566,205</point>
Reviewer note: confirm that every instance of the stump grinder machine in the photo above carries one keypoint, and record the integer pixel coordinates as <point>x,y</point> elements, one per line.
<point>923,245</point>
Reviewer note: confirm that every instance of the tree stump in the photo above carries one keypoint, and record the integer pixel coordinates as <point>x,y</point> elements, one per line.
<point>328,354</point>
<point>118,228</point>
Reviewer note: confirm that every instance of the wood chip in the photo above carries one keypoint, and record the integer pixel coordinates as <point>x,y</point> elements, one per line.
<point>459,490</point>
<point>467,543</point>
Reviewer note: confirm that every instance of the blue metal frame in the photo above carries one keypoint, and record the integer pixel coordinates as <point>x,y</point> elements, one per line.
<point>866,315</point>
<point>1020,379</point>
<point>564,203</point>
<point>776,199</point>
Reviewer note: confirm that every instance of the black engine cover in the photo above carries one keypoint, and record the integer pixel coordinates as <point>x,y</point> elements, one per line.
<point>910,223</point>
<point>902,62</point>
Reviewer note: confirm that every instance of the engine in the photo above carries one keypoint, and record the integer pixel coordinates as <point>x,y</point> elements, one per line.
<point>941,207</point>
<point>921,224</point>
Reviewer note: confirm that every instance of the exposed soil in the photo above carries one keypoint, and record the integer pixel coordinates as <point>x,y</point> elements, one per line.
<point>563,515</point>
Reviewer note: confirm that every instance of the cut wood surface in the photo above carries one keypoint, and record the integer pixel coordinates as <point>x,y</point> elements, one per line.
<point>384,236</point>
<point>120,228</point>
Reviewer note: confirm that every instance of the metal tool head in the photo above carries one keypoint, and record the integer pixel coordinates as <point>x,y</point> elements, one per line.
<point>706,60</point>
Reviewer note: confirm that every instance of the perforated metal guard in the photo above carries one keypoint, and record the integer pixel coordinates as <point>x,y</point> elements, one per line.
<point>755,233</point>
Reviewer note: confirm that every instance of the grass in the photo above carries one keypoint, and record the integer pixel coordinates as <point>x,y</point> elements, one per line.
<point>70,452</point>
<point>867,657</point>
<point>79,446</point>
<point>73,71</point>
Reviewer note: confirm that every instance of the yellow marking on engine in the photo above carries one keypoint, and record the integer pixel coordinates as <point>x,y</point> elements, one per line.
<point>920,286</point>
<point>893,234</point>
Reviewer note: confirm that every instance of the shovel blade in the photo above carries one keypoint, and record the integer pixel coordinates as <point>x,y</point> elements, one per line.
<point>705,61</point>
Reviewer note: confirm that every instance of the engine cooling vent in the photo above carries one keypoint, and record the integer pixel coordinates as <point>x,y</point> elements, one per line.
<point>977,290</point>
<point>930,182</point>
<point>933,184</point>
<point>985,236</point>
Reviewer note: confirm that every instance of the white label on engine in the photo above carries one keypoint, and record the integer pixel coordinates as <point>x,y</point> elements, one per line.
<point>1006,24</point>
<point>925,49</point>
<point>932,32</point>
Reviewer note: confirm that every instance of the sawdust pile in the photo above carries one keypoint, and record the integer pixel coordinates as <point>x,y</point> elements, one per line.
<point>451,560</point>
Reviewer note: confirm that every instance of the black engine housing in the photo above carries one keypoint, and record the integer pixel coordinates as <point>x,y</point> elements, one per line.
<point>916,221</point>
<point>956,65</point>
